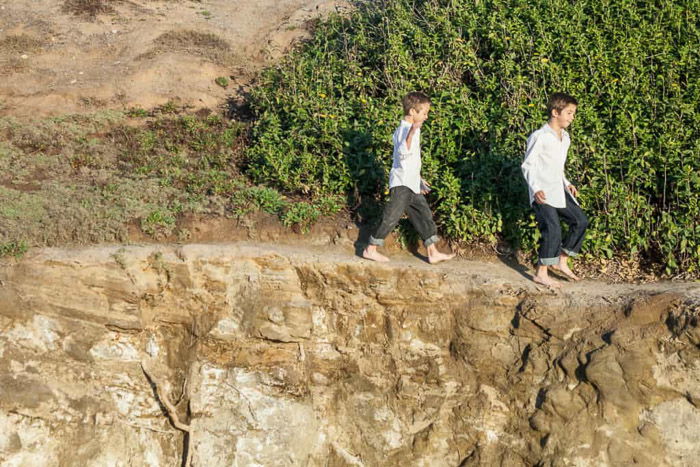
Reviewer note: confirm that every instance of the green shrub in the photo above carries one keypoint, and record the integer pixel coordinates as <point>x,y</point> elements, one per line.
<point>158,223</point>
<point>324,117</point>
<point>13,248</point>
<point>303,214</point>
<point>265,199</point>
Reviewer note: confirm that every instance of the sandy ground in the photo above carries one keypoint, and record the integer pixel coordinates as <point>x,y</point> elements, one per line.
<point>141,53</point>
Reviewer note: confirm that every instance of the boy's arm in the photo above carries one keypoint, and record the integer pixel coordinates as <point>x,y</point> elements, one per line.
<point>405,140</point>
<point>400,143</point>
<point>424,186</point>
<point>531,165</point>
<point>411,132</point>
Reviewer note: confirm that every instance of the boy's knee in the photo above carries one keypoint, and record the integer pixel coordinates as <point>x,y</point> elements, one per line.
<point>550,229</point>
<point>551,235</point>
<point>583,222</point>
<point>555,237</point>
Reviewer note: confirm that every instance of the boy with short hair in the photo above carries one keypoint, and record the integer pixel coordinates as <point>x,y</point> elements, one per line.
<point>407,188</point>
<point>552,196</point>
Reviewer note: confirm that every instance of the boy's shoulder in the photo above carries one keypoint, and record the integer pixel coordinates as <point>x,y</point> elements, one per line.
<point>545,131</point>
<point>538,132</point>
<point>402,128</point>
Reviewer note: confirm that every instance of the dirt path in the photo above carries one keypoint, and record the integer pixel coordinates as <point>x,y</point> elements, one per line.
<point>58,59</point>
<point>484,273</point>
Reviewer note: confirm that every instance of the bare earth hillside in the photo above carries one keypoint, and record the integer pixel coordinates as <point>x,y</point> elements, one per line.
<point>72,56</point>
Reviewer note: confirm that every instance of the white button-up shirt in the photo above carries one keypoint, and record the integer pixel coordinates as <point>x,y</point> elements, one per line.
<point>405,170</point>
<point>543,167</point>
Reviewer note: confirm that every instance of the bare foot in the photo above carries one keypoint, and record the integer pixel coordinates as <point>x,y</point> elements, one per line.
<point>437,257</point>
<point>568,273</point>
<point>547,282</point>
<point>374,255</point>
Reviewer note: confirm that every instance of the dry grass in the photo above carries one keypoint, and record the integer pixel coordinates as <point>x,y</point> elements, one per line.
<point>12,65</point>
<point>88,8</point>
<point>12,47</point>
<point>81,179</point>
<point>19,43</point>
<point>201,44</point>
<point>86,179</point>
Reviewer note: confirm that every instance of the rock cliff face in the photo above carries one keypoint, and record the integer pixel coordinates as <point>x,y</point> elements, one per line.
<point>276,356</point>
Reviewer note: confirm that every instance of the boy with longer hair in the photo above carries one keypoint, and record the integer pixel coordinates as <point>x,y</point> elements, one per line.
<point>407,188</point>
<point>552,196</point>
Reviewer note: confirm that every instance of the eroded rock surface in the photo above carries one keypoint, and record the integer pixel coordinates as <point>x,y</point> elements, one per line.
<point>275,356</point>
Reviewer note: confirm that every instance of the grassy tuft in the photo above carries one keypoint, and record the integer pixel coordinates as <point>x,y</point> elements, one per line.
<point>88,8</point>
<point>201,44</point>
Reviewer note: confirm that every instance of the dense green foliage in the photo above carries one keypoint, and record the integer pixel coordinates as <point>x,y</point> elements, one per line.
<point>324,118</point>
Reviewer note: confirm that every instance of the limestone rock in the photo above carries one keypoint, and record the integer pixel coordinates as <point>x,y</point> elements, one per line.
<point>276,356</point>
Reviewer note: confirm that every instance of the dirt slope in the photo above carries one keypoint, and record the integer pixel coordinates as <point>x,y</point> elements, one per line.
<point>57,58</point>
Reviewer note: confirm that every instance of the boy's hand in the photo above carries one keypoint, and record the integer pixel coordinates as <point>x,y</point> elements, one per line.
<point>573,191</point>
<point>424,187</point>
<point>540,197</point>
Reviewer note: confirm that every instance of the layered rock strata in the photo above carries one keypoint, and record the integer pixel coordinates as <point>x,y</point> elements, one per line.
<point>278,356</point>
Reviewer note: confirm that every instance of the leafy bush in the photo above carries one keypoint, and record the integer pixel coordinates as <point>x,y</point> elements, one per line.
<point>324,117</point>
<point>13,248</point>
<point>159,223</point>
<point>265,199</point>
<point>303,214</point>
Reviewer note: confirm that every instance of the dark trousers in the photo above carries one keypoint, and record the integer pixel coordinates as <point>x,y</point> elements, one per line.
<point>547,218</point>
<point>404,200</point>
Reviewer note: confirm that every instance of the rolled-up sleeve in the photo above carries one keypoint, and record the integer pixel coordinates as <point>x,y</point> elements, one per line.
<point>531,164</point>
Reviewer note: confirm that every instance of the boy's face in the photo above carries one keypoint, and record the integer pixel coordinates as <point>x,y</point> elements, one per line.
<point>420,113</point>
<point>565,117</point>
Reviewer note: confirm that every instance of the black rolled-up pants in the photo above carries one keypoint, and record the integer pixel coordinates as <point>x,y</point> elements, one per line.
<point>404,200</point>
<point>551,244</point>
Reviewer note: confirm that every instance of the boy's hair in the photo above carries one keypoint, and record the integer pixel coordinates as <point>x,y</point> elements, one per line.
<point>413,99</point>
<point>558,101</point>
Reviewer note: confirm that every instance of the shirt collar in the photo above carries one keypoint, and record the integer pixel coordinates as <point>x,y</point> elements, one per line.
<point>405,123</point>
<point>564,133</point>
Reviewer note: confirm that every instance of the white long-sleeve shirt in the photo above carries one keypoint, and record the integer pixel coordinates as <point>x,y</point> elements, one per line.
<point>543,167</point>
<point>405,170</point>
